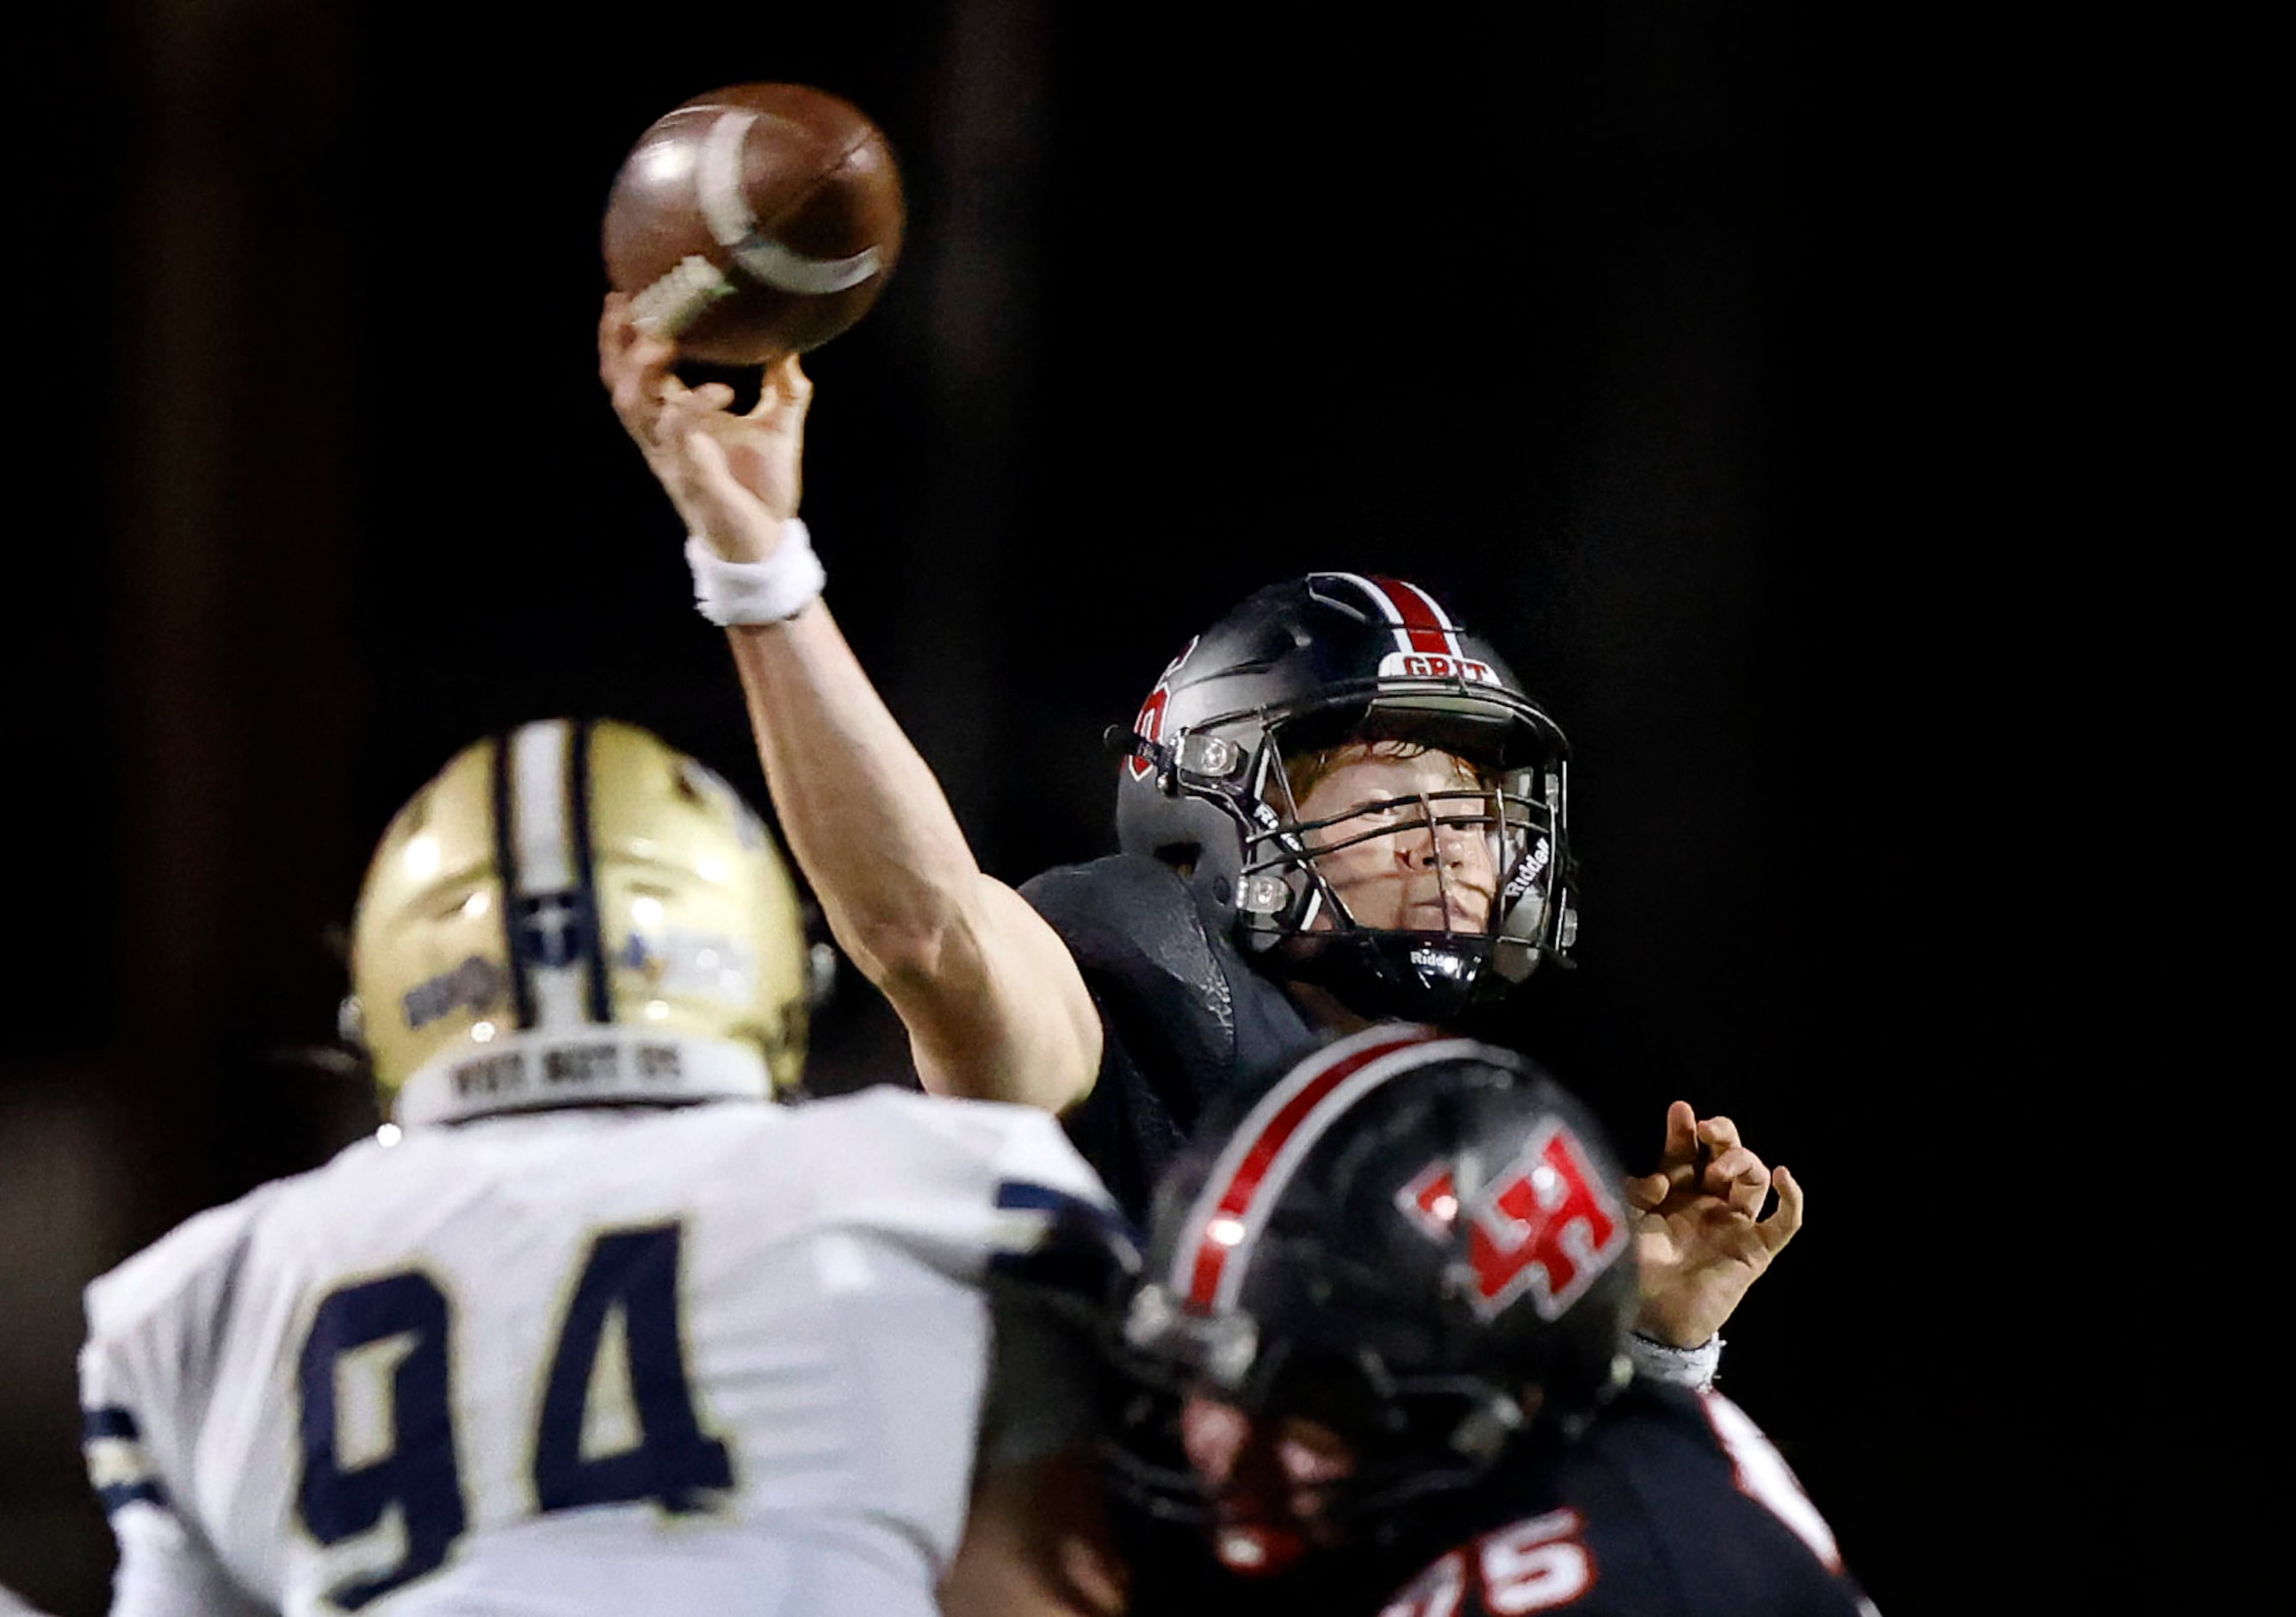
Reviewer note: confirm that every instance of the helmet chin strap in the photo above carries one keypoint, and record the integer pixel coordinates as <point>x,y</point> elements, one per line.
<point>1418,976</point>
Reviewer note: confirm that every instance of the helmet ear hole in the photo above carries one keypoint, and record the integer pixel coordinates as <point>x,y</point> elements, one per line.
<point>685,780</point>
<point>350,1022</point>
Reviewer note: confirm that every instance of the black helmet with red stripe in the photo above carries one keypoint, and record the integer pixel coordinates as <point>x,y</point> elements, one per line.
<point>1420,1243</point>
<point>1212,783</point>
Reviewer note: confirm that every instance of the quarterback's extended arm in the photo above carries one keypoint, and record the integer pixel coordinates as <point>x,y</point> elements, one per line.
<point>993,1002</point>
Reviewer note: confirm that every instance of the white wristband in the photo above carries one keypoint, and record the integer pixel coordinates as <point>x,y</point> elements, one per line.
<point>1692,1368</point>
<point>772,591</point>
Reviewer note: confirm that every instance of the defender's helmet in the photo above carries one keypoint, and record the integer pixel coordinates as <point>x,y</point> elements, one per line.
<point>1412,1238</point>
<point>576,914</point>
<point>1313,663</point>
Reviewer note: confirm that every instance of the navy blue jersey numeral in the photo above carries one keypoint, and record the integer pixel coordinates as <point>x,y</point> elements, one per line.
<point>405,1453</point>
<point>378,1428</point>
<point>629,1285</point>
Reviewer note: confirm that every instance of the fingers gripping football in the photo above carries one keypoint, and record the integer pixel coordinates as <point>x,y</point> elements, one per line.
<point>734,477</point>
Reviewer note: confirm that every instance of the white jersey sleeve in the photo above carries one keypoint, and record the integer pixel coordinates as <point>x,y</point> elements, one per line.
<point>976,1186</point>
<point>997,1193</point>
<point>143,1379</point>
<point>1055,1257</point>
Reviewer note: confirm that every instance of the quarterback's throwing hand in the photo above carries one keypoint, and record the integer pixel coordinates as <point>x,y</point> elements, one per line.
<point>733,478</point>
<point>1699,1229</point>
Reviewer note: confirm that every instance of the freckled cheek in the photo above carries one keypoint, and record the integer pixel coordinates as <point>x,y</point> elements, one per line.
<point>1372,888</point>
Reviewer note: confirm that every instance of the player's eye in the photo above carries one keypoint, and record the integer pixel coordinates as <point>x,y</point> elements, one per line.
<point>1386,808</point>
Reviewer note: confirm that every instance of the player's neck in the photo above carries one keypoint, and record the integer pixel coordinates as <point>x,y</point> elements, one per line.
<point>1320,1007</point>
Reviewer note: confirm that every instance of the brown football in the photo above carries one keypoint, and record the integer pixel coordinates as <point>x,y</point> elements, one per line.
<point>754,221</point>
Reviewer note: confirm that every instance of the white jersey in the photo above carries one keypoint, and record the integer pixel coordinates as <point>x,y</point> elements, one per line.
<point>725,1359</point>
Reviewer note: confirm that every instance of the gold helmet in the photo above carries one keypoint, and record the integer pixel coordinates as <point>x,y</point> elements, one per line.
<point>576,914</point>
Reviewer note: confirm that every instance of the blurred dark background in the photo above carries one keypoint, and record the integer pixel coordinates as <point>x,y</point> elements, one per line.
<point>1693,354</point>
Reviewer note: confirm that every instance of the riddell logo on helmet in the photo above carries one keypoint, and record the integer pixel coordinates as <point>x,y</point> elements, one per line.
<point>1533,867</point>
<point>1435,665</point>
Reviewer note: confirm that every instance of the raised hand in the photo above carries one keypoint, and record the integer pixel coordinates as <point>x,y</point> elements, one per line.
<point>734,477</point>
<point>1699,1229</point>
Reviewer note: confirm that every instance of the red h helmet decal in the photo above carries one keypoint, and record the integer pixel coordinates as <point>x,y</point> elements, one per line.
<point>1546,1227</point>
<point>1149,726</point>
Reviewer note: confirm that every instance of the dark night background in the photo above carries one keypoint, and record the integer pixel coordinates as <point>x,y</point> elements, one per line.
<point>1707,359</point>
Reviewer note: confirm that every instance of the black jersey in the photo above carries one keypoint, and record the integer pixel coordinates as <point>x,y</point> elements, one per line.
<point>1183,1014</point>
<point>1673,1505</point>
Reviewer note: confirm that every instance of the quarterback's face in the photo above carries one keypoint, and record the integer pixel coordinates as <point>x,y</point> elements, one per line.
<point>1424,875</point>
<point>1270,1482</point>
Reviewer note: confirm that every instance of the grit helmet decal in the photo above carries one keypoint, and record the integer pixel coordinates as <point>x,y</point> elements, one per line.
<point>1318,662</point>
<point>575,913</point>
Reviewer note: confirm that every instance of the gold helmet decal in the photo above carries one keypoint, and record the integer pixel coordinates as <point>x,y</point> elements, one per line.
<point>576,914</point>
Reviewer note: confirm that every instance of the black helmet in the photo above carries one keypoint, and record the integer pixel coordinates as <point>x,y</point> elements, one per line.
<point>1404,1237</point>
<point>1313,663</point>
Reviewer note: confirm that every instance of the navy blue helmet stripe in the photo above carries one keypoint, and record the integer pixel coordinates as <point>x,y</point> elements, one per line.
<point>585,878</point>
<point>521,990</point>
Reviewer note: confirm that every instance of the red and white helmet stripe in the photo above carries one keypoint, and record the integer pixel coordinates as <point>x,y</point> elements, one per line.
<point>1419,622</point>
<point>1247,1179</point>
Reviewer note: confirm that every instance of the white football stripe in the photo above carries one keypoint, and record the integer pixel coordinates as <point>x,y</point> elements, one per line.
<point>718,179</point>
<point>793,272</point>
<point>719,192</point>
